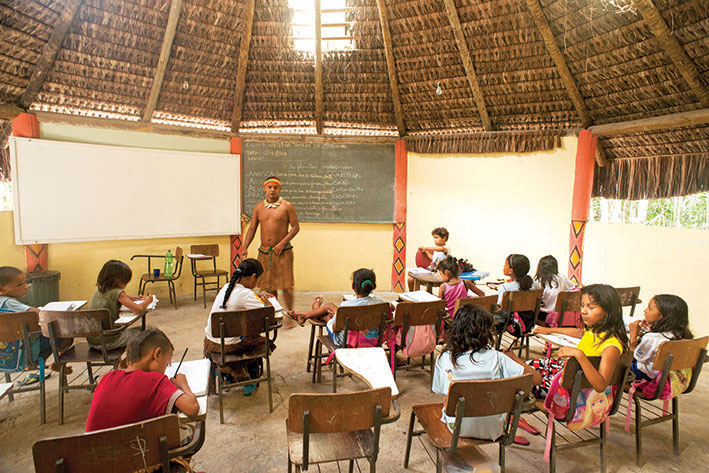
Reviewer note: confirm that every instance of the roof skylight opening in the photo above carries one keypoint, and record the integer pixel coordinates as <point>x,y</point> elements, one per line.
<point>335,30</point>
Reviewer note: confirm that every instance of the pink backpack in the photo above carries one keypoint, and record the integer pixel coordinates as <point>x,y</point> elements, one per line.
<point>420,341</point>
<point>676,383</point>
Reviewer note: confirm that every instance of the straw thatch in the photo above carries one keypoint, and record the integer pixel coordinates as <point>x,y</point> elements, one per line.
<point>619,69</point>
<point>5,131</point>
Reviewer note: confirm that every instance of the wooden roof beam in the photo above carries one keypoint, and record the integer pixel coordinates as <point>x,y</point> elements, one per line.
<point>664,122</point>
<point>562,68</point>
<point>167,40</point>
<point>391,66</point>
<point>318,69</point>
<point>674,50</point>
<point>9,111</point>
<point>243,65</point>
<point>49,52</point>
<point>454,20</point>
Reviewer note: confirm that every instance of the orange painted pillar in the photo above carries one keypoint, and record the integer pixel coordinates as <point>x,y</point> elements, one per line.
<point>26,125</point>
<point>581,204</point>
<point>235,240</point>
<point>398,271</point>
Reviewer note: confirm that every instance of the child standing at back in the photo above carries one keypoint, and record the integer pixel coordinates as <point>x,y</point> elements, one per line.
<point>549,278</point>
<point>434,253</point>
<point>111,283</point>
<point>666,318</point>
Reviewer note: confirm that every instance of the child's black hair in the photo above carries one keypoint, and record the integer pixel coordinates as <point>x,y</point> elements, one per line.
<point>520,267</point>
<point>246,268</point>
<point>450,264</point>
<point>441,232</point>
<point>612,324</point>
<point>8,274</point>
<point>364,281</point>
<point>140,345</point>
<point>675,316</point>
<point>112,274</point>
<point>471,330</point>
<point>547,271</point>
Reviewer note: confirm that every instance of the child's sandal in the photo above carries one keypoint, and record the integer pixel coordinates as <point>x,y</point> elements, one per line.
<point>294,318</point>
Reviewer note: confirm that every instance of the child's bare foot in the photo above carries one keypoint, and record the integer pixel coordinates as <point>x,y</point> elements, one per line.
<point>317,302</point>
<point>297,318</point>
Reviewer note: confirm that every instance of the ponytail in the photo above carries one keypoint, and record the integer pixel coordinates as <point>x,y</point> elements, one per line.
<point>364,281</point>
<point>520,267</point>
<point>525,282</point>
<point>246,268</point>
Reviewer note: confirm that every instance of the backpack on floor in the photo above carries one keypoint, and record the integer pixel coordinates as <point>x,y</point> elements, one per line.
<point>420,341</point>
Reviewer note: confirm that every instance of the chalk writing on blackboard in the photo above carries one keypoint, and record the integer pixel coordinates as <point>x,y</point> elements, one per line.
<point>325,182</point>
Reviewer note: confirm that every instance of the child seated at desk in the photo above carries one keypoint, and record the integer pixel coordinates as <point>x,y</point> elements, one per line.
<point>434,253</point>
<point>453,288</point>
<point>553,282</point>
<point>364,281</point>
<point>13,286</point>
<point>468,354</point>
<point>112,281</point>
<point>141,391</point>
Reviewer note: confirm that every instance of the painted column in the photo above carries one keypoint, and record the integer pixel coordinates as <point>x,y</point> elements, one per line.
<point>235,240</point>
<point>398,271</point>
<point>26,125</point>
<point>581,204</point>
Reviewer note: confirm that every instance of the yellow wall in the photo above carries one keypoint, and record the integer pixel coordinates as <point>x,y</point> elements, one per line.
<point>493,205</point>
<point>659,260</point>
<point>10,254</point>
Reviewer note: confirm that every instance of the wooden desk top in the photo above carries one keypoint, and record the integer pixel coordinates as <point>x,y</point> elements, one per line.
<point>4,388</point>
<point>197,373</point>
<point>370,365</point>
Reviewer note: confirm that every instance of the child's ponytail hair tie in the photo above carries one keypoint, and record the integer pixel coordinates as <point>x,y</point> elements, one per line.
<point>365,282</point>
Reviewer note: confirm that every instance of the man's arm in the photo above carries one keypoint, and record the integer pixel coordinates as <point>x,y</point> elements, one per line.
<point>295,228</point>
<point>251,232</point>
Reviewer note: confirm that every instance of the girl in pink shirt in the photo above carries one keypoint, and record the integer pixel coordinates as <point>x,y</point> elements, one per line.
<point>452,288</point>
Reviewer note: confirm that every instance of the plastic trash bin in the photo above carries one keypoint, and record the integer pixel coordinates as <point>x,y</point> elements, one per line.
<point>44,288</point>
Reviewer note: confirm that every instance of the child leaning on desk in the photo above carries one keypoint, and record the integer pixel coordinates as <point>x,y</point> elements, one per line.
<point>110,294</point>
<point>141,391</point>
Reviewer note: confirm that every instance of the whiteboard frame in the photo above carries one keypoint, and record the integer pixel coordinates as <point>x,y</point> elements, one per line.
<point>17,204</point>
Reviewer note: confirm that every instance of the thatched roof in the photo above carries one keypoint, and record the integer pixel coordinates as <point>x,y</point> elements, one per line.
<point>512,74</point>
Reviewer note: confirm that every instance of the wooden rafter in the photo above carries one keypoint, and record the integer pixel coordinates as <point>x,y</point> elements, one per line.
<point>168,38</point>
<point>664,122</point>
<point>9,111</point>
<point>562,68</point>
<point>49,52</point>
<point>318,70</point>
<point>391,66</point>
<point>244,46</point>
<point>468,63</point>
<point>674,50</point>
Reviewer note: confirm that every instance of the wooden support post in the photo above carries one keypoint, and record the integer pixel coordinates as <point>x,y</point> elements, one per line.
<point>454,20</point>
<point>168,38</point>
<point>49,52</point>
<point>398,271</point>
<point>26,125</point>
<point>583,185</point>
<point>235,242</point>
<point>243,65</point>
<point>391,67</point>
<point>318,70</point>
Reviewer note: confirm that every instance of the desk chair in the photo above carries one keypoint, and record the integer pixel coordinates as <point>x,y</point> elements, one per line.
<point>79,324</point>
<point>19,327</point>
<point>243,323</point>
<point>486,302</point>
<point>568,301</point>
<point>325,428</point>
<point>574,381</point>
<point>413,314</point>
<point>319,326</point>
<point>360,318</point>
<point>520,301</point>
<point>143,446</point>
<point>201,275</point>
<point>629,297</point>
<point>672,355</point>
<point>149,277</point>
<point>473,398</point>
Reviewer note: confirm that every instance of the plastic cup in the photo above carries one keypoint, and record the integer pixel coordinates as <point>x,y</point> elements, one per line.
<point>156,272</point>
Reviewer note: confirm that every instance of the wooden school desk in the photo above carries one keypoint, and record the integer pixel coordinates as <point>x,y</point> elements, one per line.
<point>370,365</point>
<point>128,318</point>
<point>431,279</point>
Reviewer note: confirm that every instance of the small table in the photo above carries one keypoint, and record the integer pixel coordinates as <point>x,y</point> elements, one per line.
<point>432,279</point>
<point>370,365</point>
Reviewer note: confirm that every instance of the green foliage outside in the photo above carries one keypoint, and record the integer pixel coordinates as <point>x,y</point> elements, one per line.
<point>691,211</point>
<point>5,196</point>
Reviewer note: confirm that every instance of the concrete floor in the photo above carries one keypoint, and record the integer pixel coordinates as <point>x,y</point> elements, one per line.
<point>252,440</point>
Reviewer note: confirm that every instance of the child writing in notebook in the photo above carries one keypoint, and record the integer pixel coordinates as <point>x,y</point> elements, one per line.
<point>141,391</point>
<point>549,278</point>
<point>434,253</point>
<point>666,318</point>
<point>237,295</point>
<point>111,283</point>
<point>604,335</point>
<point>468,354</point>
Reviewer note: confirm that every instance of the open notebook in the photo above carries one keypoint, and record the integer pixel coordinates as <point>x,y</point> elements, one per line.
<point>150,307</point>
<point>419,296</point>
<point>63,305</point>
<point>197,372</point>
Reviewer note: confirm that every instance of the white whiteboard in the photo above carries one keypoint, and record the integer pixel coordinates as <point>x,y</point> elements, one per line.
<point>67,192</point>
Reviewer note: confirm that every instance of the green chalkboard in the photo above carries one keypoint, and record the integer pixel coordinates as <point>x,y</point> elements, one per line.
<point>326,182</point>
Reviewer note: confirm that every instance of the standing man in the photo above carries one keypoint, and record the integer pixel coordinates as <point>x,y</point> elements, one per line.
<point>275,215</point>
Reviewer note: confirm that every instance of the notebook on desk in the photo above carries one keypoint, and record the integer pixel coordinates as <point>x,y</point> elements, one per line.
<point>63,305</point>
<point>151,306</point>
<point>419,296</point>
<point>197,373</point>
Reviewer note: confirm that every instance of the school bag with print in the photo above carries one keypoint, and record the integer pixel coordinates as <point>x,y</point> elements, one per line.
<point>676,383</point>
